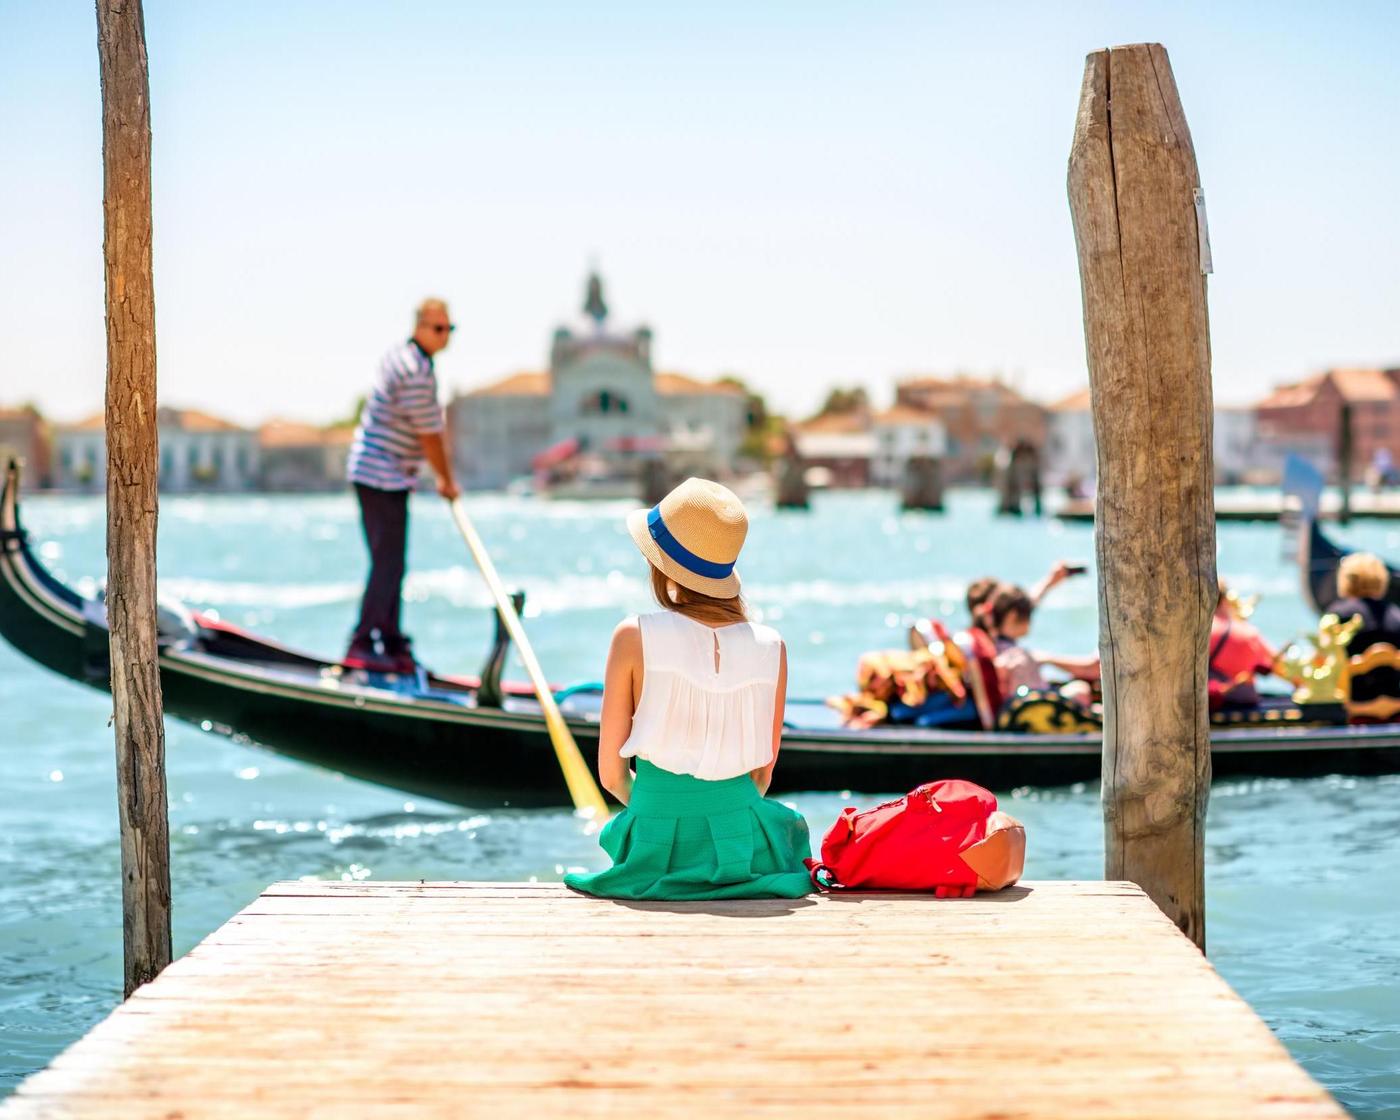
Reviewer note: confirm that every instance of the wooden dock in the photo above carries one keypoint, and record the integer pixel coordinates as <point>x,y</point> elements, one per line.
<point>447,999</point>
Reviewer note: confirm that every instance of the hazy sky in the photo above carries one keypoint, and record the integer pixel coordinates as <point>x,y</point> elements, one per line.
<point>806,194</point>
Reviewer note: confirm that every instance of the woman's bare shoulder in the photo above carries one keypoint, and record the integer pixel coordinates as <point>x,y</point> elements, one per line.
<point>627,639</point>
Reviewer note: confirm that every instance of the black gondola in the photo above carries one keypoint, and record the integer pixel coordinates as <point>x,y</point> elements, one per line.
<point>1319,562</point>
<point>474,742</point>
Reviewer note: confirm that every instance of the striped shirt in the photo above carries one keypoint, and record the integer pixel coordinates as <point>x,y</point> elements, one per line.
<point>403,405</point>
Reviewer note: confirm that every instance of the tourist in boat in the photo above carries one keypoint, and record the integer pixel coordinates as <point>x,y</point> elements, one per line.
<point>400,426</point>
<point>1363,581</point>
<point>1237,654</point>
<point>1052,579</point>
<point>981,591</point>
<point>1010,612</point>
<point>703,733</point>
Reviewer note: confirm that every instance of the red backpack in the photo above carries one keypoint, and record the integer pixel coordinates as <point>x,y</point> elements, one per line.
<point>947,837</point>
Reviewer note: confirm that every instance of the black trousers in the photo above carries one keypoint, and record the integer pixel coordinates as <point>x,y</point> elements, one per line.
<point>384,514</point>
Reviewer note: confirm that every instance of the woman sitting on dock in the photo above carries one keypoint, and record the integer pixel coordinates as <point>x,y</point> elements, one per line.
<point>704,731</point>
<point>1362,583</point>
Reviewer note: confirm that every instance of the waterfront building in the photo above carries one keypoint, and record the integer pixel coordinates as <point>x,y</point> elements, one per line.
<point>980,417</point>
<point>841,446</point>
<point>198,452</point>
<point>25,436</point>
<point>1235,446</point>
<point>1070,454</point>
<point>903,433</point>
<point>293,456</point>
<point>599,399</point>
<point>1304,418</point>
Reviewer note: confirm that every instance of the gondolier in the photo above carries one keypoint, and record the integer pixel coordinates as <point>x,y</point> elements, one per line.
<point>452,739</point>
<point>400,426</point>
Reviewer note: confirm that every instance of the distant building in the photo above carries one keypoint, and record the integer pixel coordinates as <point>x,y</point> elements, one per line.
<point>80,454</point>
<point>198,452</point>
<point>1305,418</point>
<point>903,433</point>
<point>979,416</point>
<point>1070,452</point>
<point>301,457</point>
<point>843,444</point>
<point>25,436</point>
<point>1236,445</point>
<point>599,398</point>
<point>1069,447</point>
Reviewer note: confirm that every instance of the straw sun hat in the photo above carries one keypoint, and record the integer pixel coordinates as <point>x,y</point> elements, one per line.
<point>694,535</point>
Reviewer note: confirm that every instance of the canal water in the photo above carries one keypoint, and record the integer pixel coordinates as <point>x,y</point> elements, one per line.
<point>1303,877</point>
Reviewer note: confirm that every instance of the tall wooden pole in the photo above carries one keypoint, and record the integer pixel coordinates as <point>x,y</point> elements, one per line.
<point>132,476</point>
<point>1143,252</point>
<point>1344,457</point>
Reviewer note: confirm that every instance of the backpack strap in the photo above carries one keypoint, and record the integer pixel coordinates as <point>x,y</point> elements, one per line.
<point>823,878</point>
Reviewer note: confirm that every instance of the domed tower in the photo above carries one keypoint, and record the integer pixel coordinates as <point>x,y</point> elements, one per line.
<point>604,394</point>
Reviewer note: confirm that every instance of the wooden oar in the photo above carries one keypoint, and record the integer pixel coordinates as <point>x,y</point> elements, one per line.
<point>577,776</point>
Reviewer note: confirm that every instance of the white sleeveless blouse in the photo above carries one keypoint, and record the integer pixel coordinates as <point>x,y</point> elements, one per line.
<point>693,719</point>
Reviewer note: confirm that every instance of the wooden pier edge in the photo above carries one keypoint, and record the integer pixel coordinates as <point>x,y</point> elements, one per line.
<point>1050,999</point>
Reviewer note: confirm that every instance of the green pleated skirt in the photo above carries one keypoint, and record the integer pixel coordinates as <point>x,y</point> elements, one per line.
<point>685,838</point>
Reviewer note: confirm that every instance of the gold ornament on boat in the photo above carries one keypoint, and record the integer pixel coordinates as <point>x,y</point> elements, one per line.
<point>1241,606</point>
<point>1324,676</point>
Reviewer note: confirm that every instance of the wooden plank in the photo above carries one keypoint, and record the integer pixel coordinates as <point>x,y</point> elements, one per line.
<point>450,999</point>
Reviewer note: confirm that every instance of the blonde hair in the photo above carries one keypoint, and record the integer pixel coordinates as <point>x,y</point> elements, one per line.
<point>692,604</point>
<point>431,304</point>
<point>1363,575</point>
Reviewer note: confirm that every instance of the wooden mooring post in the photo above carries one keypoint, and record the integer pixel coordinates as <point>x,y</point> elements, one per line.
<point>1344,457</point>
<point>132,478</point>
<point>1138,213</point>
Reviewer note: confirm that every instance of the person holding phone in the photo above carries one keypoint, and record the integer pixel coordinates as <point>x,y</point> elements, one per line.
<point>1057,575</point>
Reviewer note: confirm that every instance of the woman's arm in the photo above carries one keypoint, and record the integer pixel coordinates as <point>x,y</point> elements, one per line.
<point>763,776</point>
<point>620,688</point>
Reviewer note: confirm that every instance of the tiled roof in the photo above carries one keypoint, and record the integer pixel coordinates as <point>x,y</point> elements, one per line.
<point>1297,395</point>
<point>1075,402</point>
<point>835,422</point>
<point>18,414</point>
<point>678,384</point>
<point>95,423</point>
<point>525,384</point>
<point>192,420</point>
<point>1365,384</point>
<point>295,433</point>
<point>959,388</point>
<point>905,414</point>
<point>1353,384</point>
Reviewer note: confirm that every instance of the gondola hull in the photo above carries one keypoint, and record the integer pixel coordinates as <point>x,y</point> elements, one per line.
<point>432,737</point>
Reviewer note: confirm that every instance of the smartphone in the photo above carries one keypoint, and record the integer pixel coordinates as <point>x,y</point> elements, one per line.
<point>1075,569</point>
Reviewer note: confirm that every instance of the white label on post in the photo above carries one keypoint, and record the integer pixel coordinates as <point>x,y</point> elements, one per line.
<point>1202,232</point>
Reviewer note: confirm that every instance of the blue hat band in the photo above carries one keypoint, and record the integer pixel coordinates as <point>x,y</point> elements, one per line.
<point>679,553</point>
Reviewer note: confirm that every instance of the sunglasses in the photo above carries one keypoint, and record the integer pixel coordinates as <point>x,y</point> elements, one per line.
<point>443,328</point>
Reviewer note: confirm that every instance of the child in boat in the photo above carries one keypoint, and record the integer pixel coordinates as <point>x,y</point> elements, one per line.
<point>703,732</point>
<point>1017,667</point>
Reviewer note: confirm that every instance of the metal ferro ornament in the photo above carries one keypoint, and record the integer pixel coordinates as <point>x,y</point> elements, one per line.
<point>1325,676</point>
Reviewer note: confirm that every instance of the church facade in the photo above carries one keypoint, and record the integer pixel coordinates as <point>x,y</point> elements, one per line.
<point>599,401</point>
